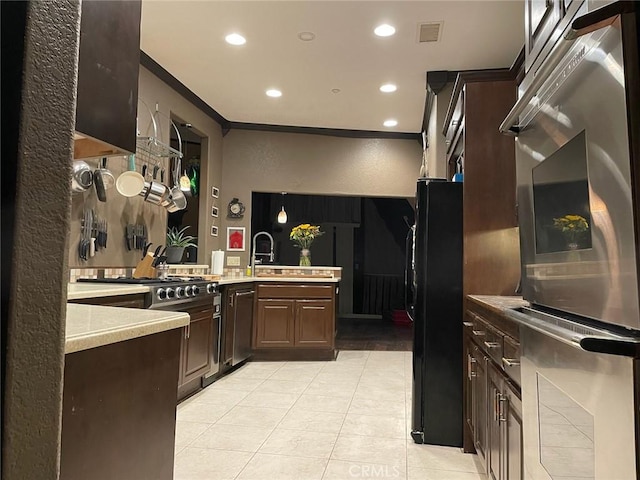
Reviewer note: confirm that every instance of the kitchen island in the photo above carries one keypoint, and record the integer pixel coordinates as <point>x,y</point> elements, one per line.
<point>119,396</point>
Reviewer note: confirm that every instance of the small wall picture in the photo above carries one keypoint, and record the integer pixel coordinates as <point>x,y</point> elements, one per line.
<point>215,192</point>
<point>235,239</point>
<point>214,231</point>
<point>214,212</point>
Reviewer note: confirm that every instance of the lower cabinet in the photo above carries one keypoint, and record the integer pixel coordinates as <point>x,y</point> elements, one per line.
<point>295,318</point>
<point>493,409</point>
<point>196,350</point>
<point>314,323</point>
<point>275,323</point>
<point>294,323</point>
<point>479,406</point>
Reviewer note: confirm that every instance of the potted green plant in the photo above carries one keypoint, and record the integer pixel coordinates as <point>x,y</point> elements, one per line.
<point>177,241</point>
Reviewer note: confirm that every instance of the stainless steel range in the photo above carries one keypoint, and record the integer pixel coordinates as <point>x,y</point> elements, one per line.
<point>179,292</point>
<point>169,292</point>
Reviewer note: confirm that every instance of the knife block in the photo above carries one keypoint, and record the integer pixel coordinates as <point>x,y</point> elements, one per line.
<point>144,267</point>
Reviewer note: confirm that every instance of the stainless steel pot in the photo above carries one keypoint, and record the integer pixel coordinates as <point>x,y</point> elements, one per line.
<point>155,192</point>
<point>81,177</point>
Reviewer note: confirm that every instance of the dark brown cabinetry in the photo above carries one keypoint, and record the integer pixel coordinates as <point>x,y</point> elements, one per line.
<point>314,323</point>
<point>237,318</point>
<point>197,349</point>
<point>119,410</point>
<point>479,103</point>
<point>493,411</point>
<point>275,323</point>
<point>108,70</point>
<point>295,317</point>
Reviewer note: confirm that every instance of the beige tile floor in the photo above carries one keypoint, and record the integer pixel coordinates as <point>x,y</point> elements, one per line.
<point>341,420</point>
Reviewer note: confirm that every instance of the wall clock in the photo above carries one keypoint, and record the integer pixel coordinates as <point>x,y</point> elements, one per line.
<point>236,209</point>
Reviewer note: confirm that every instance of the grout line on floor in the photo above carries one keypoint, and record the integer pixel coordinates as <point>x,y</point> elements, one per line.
<point>345,416</point>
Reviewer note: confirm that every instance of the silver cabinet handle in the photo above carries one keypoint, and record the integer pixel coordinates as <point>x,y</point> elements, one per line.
<point>491,344</point>
<point>510,362</point>
<point>468,324</point>
<point>478,333</point>
<point>470,363</point>
<point>502,401</point>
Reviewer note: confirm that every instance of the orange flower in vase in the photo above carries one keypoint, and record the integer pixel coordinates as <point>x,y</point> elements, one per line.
<point>303,236</point>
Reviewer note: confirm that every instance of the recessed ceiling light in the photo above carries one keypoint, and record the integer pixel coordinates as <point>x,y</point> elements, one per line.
<point>335,90</point>
<point>388,88</point>
<point>306,36</point>
<point>390,123</point>
<point>274,93</point>
<point>384,30</point>
<point>235,39</point>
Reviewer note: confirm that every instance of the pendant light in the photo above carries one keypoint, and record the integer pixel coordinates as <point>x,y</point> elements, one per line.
<point>185,182</point>
<point>282,215</point>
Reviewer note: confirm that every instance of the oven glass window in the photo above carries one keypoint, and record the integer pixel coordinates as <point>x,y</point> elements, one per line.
<point>561,199</point>
<point>566,434</point>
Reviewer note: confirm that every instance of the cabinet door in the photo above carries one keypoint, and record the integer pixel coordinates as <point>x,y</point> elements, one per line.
<point>314,323</point>
<point>198,345</point>
<point>511,419</point>
<point>108,70</point>
<point>469,380</point>
<point>541,18</point>
<point>494,398</point>
<point>479,387</point>
<point>274,324</point>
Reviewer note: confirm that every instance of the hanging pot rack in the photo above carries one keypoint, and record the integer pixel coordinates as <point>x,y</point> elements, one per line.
<point>153,145</point>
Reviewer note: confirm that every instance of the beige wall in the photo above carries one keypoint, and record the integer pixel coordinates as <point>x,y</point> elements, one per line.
<point>119,211</point>
<point>313,164</point>
<point>436,153</point>
<point>152,91</point>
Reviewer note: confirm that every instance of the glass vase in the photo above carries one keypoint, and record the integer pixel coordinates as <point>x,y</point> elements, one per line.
<point>305,257</point>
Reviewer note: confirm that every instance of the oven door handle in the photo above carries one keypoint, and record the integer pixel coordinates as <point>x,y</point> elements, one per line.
<point>588,23</point>
<point>577,335</point>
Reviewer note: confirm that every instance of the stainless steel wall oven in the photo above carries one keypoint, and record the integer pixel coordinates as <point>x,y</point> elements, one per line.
<point>577,124</point>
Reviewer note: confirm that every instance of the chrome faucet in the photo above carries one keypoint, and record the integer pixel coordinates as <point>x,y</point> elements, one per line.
<point>253,251</point>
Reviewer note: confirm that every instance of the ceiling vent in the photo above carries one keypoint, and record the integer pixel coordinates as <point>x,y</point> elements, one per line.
<point>429,32</point>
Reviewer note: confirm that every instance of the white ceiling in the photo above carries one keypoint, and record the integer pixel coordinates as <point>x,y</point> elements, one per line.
<point>187,39</point>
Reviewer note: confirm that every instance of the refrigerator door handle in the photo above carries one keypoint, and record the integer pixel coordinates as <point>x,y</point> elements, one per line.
<point>409,300</point>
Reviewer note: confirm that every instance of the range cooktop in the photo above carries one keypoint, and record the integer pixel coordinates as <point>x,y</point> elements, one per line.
<point>143,280</point>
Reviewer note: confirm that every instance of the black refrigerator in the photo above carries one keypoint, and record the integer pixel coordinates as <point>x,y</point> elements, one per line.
<point>435,278</point>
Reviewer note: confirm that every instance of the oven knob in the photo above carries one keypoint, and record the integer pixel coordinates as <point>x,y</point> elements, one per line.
<point>170,293</point>
<point>180,292</point>
<point>161,294</point>
<point>196,290</point>
<point>211,288</point>
<point>188,290</point>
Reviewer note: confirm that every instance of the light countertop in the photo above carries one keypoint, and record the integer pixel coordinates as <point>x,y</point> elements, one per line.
<point>77,291</point>
<point>499,303</point>
<point>278,279</point>
<point>90,326</point>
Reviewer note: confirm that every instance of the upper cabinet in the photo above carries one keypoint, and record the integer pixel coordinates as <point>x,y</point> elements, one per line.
<point>109,66</point>
<point>540,20</point>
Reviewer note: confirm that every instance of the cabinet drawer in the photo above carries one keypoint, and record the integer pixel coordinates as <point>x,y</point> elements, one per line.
<point>478,327</point>
<point>295,291</point>
<point>493,345</point>
<point>511,359</point>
